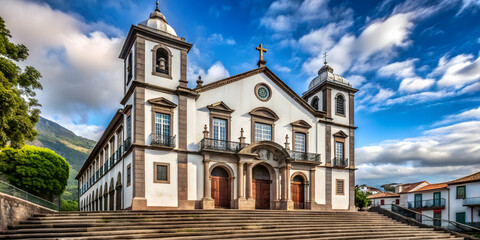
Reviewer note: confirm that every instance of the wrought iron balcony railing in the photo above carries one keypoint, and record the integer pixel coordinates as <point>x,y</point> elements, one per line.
<point>471,201</point>
<point>127,143</point>
<point>305,156</point>
<point>340,162</point>
<point>431,203</point>
<point>220,145</point>
<point>162,140</point>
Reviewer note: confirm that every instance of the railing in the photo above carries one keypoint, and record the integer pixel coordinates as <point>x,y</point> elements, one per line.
<point>162,140</point>
<point>432,203</point>
<point>127,143</point>
<point>17,192</point>
<point>305,156</point>
<point>220,145</point>
<point>471,201</point>
<point>431,221</point>
<point>340,162</point>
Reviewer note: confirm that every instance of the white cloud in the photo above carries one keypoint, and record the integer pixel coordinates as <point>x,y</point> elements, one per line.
<point>282,68</point>
<point>318,41</point>
<point>356,80</point>
<point>472,114</point>
<point>382,95</point>
<point>218,39</point>
<point>443,150</point>
<point>399,70</point>
<point>468,5</point>
<point>82,75</point>
<point>415,84</point>
<point>216,72</point>
<point>458,71</point>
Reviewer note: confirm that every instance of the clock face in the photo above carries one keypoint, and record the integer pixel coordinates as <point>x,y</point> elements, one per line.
<point>263,92</point>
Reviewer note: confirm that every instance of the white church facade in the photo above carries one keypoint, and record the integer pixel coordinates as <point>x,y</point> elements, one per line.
<point>244,142</point>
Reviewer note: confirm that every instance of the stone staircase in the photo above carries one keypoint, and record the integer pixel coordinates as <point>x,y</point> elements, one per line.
<point>217,224</point>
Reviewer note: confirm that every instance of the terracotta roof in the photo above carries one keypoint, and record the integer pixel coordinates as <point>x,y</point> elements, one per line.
<point>432,187</point>
<point>383,195</point>
<point>374,189</point>
<point>407,187</point>
<point>470,178</point>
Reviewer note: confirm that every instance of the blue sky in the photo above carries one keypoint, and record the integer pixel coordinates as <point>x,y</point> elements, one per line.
<point>416,63</point>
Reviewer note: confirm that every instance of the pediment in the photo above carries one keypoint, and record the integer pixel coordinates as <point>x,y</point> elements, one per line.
<point>301,123</point>
<point>220,106</point>
<point>340,134</point>
<point>162,102</point>
<point>264,112</point>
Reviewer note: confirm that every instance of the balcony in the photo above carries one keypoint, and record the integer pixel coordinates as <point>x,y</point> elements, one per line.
<point>162,140</point>
<point>432,204</point>
<point>305,157</point>
<point>471,202</point>
<point>126,144</point>
<point>340,162</point>
<point>220,145</point>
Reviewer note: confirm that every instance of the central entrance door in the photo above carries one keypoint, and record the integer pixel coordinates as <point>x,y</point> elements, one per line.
<point>261,187</point>
<point>220,187</point>
<point>298,192</point>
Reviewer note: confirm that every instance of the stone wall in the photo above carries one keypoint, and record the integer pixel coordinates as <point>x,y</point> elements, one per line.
<point>13,210</point>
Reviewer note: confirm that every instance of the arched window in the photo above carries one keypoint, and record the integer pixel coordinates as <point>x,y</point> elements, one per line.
<point>340,105</point>
<point>129,68</point>
<point>162,61</point>
<point>315,103</point>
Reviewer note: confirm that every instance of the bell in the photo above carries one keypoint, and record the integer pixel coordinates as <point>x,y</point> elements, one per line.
<point>161,64</point>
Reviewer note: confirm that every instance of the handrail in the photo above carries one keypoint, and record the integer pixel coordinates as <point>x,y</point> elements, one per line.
<point>304,156</point>
<point>220,145</point>
<point>471,201</point>
<point>17,192</point>
<point>453,223</point>
<point>340,162</point>
<point>430,203</point>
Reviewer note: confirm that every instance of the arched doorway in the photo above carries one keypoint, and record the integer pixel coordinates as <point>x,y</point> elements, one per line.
<point>105,198</point>
<point>221,187</point>
<point>298,192</point>
<point>261,187</point>
<point>111,196</point>
<point>118,193</point>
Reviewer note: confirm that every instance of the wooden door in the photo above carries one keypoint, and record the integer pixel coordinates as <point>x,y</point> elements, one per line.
<point>298,195</point>
<point>221,191</point>
<point>261,193</point>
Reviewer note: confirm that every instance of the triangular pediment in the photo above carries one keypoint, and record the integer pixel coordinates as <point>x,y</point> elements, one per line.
<point>340,134</point>
<point>264,112</point>
<point>220,106</point>
<point>162,102</point>
<point>301,123</point>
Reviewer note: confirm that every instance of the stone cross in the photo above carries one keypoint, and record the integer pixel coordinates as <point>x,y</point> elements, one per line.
<point>325,57</point>
<point>261,50</point>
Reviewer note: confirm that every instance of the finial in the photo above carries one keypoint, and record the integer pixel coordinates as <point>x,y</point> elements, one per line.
<point>242,138</point>
<point>205,131</point>
<point>325,57</point>
<point>287,145</point>
<point>261,62</point>
<point>156,9</point>
<point>199,81</point>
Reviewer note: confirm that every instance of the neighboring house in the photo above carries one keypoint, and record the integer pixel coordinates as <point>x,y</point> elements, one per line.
<point>465,199</point>
<point>370,190</point>
<point>247,141</point>
<point>405,188</point>
<point>430,200</point>
<point>384,199</point>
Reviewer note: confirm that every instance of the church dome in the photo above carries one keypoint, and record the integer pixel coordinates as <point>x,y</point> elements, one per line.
<point>158,21</point>
<point>326,74</point>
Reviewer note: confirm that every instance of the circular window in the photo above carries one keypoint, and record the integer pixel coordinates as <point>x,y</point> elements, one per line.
<point>262,91</point>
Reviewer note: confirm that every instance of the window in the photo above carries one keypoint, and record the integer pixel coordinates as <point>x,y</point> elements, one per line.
<point>300,142</point>
<point>340,105</point>
<point>315,103</point>
<point>340,188</point>
<point>263,132</point>
<point>129,127</point>
<point>461,192</point>
<point>382,202</point>
<point>162,124</point>
<point>339,150</point>
<point>397,201</point>
<point>161,173</point>
<point>162,61</point>
<point>219,129</point>
<point>418,201</point>
<point>129,174</point>
<point>129,68</point>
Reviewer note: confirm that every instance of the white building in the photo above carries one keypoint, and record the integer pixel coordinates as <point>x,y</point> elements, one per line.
<point>404,189</point>
<point>370,190</point>
<point>430,200</point>
<point>384,200</point>
<point>464,199</point>
<point>246,142</point>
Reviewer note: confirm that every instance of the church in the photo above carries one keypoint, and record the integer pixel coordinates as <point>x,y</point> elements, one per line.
<point>244,142</point>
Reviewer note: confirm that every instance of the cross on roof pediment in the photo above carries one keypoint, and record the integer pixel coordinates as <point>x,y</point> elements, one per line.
<point>340,134</point>
<point>220,106</point>
<point>162,102</point>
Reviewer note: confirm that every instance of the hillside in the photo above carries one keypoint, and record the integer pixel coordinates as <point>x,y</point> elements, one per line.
<point>73,148</point>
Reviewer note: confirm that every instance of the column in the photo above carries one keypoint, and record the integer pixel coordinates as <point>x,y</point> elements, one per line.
<point>312,185</point>
<point>207,191</point>
<point>240,180</point>
<point>287,179</point>
<point>249,180</point>
<point>283,189</point>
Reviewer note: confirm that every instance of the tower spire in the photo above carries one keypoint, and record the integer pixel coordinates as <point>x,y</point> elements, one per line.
<point>325,57</point>
<point>156,8</point>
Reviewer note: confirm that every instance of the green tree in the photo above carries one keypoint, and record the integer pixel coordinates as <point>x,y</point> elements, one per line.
<point>361,200</point>
<point>69,205</point>
<point>39,171</point>
<point>18,112</point>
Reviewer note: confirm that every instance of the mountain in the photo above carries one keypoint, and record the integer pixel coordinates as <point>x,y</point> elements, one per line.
<point>73,148</point>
